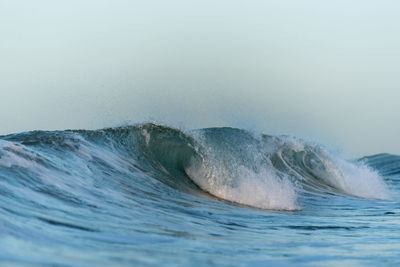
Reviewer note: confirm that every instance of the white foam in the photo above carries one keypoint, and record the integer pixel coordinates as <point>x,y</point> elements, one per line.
<point>355,179</point>
<point>248,177</point>
<point>359,180</point>
<point>261,189</point>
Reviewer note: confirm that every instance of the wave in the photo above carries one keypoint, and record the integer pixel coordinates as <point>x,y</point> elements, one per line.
<point>262,171</point>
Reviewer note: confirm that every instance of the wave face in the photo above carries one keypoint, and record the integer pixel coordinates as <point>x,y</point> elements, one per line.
<point>96,183</point>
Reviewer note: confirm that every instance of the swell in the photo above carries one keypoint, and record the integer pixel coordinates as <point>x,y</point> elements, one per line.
<point>386,164</point>
<point>262,171</point>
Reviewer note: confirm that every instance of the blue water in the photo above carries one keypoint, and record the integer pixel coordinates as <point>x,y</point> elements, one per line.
<point>153,195</point>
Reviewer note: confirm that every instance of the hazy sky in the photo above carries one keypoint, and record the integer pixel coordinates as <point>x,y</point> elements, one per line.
<point>322,70</point>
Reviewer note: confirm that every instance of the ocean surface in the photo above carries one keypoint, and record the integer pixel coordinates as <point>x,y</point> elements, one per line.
<point>151,195</point>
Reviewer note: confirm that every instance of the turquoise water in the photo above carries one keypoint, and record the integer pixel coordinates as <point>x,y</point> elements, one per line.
<point>153,195</point>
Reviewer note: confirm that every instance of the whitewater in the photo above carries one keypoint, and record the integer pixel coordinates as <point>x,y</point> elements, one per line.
<point>151,195</point>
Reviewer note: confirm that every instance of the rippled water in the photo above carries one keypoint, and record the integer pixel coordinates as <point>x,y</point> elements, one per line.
<point>153,195</point>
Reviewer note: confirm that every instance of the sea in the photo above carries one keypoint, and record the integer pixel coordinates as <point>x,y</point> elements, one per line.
<point>153,195</point>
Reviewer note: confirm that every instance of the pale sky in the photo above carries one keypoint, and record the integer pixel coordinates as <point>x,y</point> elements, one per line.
<point>322,70</point>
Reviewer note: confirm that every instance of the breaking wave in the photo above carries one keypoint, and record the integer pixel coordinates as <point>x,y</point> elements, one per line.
<point>234,165</point>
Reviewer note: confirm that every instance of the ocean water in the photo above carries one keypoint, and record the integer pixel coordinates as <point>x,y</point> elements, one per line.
<point>151,195</point>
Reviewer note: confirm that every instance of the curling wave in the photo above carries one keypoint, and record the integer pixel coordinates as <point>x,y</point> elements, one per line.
<point>262,171</point>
